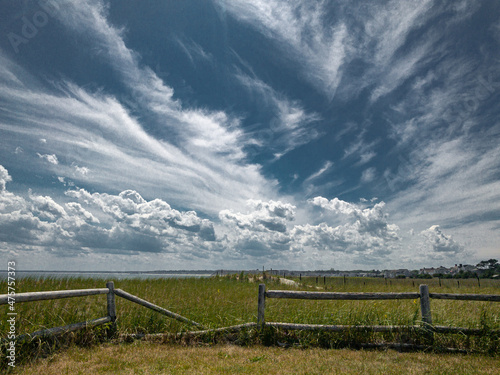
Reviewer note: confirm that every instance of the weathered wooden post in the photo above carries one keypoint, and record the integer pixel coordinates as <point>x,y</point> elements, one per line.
<point>261,306</point>
<point>425,307</point>
<point>111,301</point>
<point>425,304</point>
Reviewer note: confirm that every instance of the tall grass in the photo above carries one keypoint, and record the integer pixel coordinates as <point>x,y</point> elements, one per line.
<point>225,301</point>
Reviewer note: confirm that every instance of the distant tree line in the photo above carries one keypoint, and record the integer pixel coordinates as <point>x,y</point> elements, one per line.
<point>489,268</point>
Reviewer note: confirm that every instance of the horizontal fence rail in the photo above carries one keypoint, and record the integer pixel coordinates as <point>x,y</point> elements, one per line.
<point>466,297</point>
<point>423,295</point>
<point>338,296</point>
<point>340,328</point>
<point>42,296</point>
<point>69,328</point>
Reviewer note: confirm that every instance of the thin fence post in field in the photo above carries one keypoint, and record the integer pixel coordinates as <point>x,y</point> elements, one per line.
<point>111,301</point>
<point>261,306</point>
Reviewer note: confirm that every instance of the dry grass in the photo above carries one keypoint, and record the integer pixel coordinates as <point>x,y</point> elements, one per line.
<point>149,358</point>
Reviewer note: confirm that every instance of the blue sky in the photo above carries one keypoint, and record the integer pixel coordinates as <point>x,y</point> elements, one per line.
<point>205,134</point>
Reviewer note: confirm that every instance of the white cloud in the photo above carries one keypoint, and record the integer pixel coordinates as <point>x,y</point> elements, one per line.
<point>95,130</point>
<point>290,127</point>
<point>81,170</point>
<point>440,242</point>
<point>198,156</point>
<point>194,51</point>
<point>262,232</point>
<point>325,168</point>
<point>117,224</point>
<point>45,208</point>
<point>372,221</point>
<point>77,210</point>
<point>155,218</point>
<point>299,29</point>
<point>368,175</point>
<point>264,216</point>
<point>52,159</point>
<point>4,178</point>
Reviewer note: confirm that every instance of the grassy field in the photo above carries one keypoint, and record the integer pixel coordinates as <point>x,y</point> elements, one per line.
<point>148,358</point>
<point>225,301</point>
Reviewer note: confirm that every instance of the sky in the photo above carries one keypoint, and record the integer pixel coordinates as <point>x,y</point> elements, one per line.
<point>241,134</point>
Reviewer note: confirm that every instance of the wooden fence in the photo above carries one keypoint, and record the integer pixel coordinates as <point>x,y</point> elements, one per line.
<point>111,292</point>
<point>423,295</point>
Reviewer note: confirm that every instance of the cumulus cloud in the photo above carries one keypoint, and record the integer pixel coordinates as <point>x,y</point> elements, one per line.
<point>45,208</point>
<point>81,170</point>
<point>107,223</point>
<point>262,231</point>
<point>366,230</point>
<point>52,159</point>
<point>77,211</point>
<point>4,178</point>
<point>155,218</point>
<point>440,242</point>
<point>269,216</point>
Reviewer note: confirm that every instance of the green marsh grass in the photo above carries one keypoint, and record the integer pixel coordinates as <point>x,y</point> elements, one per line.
<point>225,301</point>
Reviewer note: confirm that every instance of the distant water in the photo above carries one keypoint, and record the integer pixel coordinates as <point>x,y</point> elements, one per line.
<point>102,275</point>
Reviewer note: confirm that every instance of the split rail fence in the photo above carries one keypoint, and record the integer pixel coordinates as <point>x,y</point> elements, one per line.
<point>423,295</point>
<point>111,292</point>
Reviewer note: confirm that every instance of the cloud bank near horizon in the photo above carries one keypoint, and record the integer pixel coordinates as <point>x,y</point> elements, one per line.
<point>127,224</point>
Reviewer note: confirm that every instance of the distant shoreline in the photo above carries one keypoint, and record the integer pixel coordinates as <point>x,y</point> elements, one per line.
<point>126,272</point>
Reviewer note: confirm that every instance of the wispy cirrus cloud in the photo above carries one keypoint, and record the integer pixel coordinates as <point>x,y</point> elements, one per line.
<point>290,125</point>
<point>299,29</point>
<point>203,149</point>
<point>194,52</point>
<point>370,35</point>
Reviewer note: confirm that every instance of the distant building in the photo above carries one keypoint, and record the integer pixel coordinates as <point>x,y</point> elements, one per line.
<point>433,271</point>
<point>463,267</point>
<point>392,274</point>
